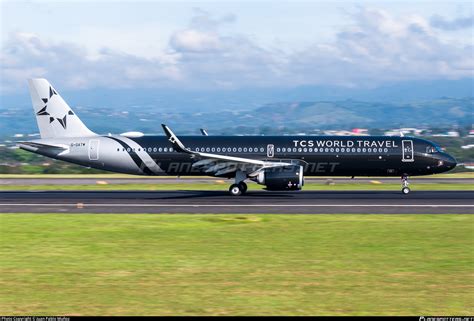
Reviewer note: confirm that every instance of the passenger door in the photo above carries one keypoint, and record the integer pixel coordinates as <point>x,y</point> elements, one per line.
<point>93,149</point>
<point>407,151</point>
<point>270,150</point>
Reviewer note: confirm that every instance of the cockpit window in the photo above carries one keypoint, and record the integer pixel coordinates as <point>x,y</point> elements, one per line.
<point>433,149</point>
<point>430,149</point>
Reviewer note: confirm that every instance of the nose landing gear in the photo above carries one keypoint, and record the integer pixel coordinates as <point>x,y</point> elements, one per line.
<point>405,188</point>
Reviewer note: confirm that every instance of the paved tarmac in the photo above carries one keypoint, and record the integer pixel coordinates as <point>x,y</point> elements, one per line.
<point>301,202</point>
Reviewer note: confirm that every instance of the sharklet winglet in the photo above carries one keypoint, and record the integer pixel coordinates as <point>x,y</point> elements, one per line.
<point>174,140</point>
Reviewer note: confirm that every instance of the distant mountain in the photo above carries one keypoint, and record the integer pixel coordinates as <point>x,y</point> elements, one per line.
<point>349,113</point>
<point>174,100</point>
<point>272,118</point>
<point>257,110</point>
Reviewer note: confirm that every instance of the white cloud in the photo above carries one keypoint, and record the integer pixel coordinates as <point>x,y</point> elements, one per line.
<point>25,56</point>
<point>194,40</point>
<point>379,47</point>
<point>374,47</point>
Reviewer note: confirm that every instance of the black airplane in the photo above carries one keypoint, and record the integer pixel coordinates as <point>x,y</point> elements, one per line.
<point>278,162</point>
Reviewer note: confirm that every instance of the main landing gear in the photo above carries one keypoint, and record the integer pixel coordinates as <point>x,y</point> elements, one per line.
<point>405,188</point>
<point>239,187</point>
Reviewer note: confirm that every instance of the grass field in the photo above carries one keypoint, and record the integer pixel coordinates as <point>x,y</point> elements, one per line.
<point>142,264</point>
<point>224,186</point>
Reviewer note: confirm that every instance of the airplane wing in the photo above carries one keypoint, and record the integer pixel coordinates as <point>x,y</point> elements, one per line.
<point>221,165</point>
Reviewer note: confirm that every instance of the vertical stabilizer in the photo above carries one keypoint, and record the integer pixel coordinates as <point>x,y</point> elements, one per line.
<point>54,116</point>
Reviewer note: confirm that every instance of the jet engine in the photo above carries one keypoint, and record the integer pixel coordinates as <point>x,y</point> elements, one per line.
<point>281,178</point>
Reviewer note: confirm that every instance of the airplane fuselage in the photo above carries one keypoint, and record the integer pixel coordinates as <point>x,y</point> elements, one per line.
<point>319,155</point>
<point>278,162</point>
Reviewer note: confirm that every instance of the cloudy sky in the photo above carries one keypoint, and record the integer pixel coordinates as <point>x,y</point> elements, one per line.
<point>233,45</point>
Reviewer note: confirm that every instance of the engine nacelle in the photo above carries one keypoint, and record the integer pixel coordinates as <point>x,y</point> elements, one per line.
<point>282,178</point>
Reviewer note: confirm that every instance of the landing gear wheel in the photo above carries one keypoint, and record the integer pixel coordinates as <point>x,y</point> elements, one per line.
<point>243,187</point>
<point>405,189</point>
<point>235,190</point>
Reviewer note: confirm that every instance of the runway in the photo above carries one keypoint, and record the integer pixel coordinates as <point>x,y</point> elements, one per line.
<point>302,202</point>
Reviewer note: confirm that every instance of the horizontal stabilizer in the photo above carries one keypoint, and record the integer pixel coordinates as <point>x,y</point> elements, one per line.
<point>35,147</point>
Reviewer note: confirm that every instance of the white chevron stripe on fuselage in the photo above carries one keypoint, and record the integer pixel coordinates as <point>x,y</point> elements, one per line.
<point>141,152</point>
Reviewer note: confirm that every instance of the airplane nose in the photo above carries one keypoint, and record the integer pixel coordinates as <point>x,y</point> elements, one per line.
<point>449,161</point>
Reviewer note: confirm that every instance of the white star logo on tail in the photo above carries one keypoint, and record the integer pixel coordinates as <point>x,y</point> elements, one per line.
<point>62,119</point>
